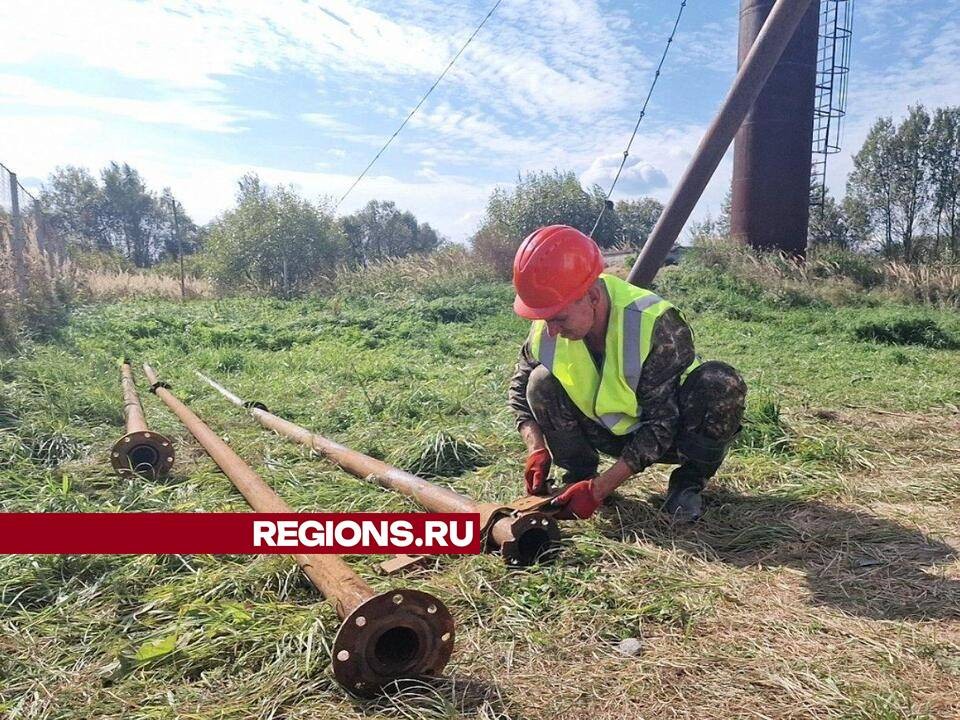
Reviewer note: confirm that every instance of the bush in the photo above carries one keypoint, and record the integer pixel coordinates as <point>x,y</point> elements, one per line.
<point>106,286</point>
<point>833,262</point>
<point>931,284</point>
<point>273,242</point>
<point>437,275</point>
<point>44,306</point>
<point>460,308</point>
<point>495,249</point>
<point>828,276</point>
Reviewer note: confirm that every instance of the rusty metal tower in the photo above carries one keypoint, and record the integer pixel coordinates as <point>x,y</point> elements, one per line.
<point>770,206</point>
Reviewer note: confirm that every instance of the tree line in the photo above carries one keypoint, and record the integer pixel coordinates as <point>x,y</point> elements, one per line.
<point>116,213</point>
<point>273,240</point>
<point>901,202</point>
<point>903,194</point>
<point>276,241</point>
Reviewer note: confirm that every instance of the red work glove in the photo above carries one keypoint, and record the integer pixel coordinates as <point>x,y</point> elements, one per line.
<point>536,471</point>
<point>577,501</point>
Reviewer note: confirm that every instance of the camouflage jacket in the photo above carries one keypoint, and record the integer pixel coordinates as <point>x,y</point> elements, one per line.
<point>671,353</point>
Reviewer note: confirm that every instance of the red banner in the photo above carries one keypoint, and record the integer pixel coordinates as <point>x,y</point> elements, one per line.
<point>239,533</point>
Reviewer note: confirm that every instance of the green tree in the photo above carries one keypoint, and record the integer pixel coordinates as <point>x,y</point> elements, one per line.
<point>943,155</point>
<point>712,228</point>
<point>131,214</point>
<point>380,230</point>
<point>870,185</point>
<point>189,237</point>
<point>273,241</point>
<point>555,198</point>
<point>828,225</point>
<point>891,180</point>
<point>856,218</point>
<point>637,218</point>
<point>912,177</point>
<point>539,199</point>
<point>118,213</point>
<point>73,204</point>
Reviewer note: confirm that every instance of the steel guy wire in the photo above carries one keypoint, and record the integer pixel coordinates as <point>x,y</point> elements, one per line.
<point>417,106</point>
<point>643,112</point>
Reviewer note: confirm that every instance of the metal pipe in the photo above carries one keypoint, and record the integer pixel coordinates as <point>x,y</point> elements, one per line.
<point>397,634</point>
<point>520,537</point>
<point>139,451</point>
<point>751,77</point>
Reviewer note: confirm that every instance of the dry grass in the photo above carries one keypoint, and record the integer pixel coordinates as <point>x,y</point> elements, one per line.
<point>780,608</point>
<point>106,286</point>
<point>434,274</point>
<point>934,284</point>
<point>835,277</point>
<point>44,306</point>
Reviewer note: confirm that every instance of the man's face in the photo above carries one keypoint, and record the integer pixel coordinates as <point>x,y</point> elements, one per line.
<point>574,321</point>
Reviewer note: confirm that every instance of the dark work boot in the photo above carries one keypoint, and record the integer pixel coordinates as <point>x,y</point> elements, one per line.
<point>700,458</point>
<point>684,502</point>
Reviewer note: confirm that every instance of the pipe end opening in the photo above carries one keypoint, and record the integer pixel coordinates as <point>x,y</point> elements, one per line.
<point>382,641</point>
<point>535,537</point>
<point>146,454</point>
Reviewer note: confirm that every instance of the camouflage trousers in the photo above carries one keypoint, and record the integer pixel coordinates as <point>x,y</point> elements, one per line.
<point>711,403</point>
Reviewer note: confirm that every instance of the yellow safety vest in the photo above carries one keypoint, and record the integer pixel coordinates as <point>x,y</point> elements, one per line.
<point>609,396</point>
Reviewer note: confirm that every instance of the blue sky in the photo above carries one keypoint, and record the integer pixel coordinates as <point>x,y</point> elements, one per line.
<point>196,94</point>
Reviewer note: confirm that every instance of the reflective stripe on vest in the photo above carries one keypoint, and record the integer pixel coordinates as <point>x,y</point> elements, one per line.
<point>609,396</point>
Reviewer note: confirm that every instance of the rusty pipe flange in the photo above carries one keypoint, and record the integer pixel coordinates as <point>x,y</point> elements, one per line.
<point>398,634</point>
<point>525,537</point>
<point>142,453</point>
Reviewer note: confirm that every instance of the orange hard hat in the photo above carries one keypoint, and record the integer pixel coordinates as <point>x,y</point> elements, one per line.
<point>553,267</point>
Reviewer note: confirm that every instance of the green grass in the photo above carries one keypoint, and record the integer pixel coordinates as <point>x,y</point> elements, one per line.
<point>821,583</point>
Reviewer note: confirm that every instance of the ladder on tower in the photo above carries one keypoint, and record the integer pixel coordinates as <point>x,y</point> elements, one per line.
<point>830,104</point>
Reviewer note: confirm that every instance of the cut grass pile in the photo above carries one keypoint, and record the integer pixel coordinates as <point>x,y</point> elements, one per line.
<point>823,581</point>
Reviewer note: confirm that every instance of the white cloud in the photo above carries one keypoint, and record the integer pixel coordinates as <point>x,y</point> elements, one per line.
<point>711,46</point>
<point>169,43</point>
<point>207,186</point>
<point>184,44</point>
<point>340,131</point>
<point>637,178</point>
<point>547,83</point>
<point>328,122</point>
<point>208,117</point>
<point>574,59</point>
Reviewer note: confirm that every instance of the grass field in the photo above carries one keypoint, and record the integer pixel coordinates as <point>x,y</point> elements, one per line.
<point>823,581</point>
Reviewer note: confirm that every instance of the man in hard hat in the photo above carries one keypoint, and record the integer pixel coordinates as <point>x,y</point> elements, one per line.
<point>609,367</point>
